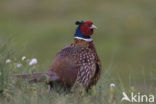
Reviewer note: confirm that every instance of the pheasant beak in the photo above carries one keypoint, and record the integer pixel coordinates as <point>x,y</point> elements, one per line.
<point>93,27</point>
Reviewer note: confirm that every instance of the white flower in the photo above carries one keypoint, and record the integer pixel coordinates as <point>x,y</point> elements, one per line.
<point>0,73</point>
<point>112,85</point>
<point>33,61</point>
<point>7,61</point>
<point>23,58</point>
<point>19,65</point>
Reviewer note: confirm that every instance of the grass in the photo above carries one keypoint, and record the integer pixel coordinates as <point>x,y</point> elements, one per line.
<point>20,91</point>
<point>125,42</point>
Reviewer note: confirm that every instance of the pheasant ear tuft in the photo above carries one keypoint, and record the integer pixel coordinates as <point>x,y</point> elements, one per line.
<point>77,22</point>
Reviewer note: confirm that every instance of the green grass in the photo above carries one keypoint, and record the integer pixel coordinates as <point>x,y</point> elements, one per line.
<point>125,41</point>
<point>18,91</point>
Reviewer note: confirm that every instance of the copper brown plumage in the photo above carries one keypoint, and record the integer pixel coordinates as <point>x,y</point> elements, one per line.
<point>76,64</point>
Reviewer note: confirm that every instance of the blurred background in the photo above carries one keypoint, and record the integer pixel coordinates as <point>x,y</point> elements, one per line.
<point>125,38</point>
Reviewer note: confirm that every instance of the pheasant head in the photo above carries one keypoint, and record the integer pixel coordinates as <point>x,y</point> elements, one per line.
<point>84,30</point>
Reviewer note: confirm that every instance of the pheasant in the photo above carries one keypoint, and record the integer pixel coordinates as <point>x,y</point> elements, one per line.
<point>75,65</point>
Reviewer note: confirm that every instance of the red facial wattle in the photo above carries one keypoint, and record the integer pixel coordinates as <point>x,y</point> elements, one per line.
<point>86,28</point>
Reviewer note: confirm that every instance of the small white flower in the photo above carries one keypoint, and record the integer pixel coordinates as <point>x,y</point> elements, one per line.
<point>112,85</point>
<point>7,61</point>
<point>0,73</point>
<point>19,65</point>
<point>33,61</point>
<point>23,58</point>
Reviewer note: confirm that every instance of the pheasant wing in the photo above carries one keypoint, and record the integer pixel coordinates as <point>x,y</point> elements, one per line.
<point>87,68</point>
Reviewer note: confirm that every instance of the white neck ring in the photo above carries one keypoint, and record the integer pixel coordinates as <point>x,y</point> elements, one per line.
<point>88,40</point>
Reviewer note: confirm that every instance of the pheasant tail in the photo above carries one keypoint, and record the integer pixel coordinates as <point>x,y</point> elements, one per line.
<point>39,77</point>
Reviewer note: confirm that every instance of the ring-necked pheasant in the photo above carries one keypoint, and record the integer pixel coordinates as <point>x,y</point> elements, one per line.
<point>75,65</point>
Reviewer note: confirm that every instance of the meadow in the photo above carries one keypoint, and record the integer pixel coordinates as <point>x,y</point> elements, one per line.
<point>125,41</point>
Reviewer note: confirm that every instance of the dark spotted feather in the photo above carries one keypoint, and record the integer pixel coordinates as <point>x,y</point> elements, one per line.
<point>84,60</point>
